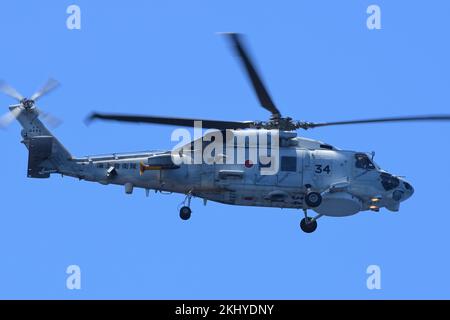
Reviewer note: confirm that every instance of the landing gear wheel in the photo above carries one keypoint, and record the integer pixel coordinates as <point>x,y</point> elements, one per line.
<point>313,199</point>
<point>185,213</point>
<point>308,225</point>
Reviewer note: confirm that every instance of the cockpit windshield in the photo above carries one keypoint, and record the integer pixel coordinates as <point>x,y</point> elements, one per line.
<point>363,162</point>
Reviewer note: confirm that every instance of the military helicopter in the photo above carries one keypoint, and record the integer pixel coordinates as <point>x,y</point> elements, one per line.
<point>309,174</point>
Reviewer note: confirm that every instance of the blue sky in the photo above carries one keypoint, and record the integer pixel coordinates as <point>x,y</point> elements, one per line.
<point>320,62</point>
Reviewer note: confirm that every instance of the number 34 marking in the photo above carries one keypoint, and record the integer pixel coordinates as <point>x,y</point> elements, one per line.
<point>322,169</point>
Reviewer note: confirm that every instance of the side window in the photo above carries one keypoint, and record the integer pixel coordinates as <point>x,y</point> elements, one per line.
<point>117,166</point>
<point>363,162</point>
<point>132,165</point>
<point>100,165</point>
<point>289,164</point>
<point>124,165</point>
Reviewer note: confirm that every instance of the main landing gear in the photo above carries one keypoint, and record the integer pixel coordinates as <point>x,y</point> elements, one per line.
<point>185,210</point>
<point>312,200</point>
<point>185,213</point>
<point>309,224</point>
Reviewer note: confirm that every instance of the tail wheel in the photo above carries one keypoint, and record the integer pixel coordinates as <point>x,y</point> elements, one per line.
<point>313,199</point>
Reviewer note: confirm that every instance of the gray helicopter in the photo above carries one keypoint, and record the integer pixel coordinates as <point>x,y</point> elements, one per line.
<point>305,174</point>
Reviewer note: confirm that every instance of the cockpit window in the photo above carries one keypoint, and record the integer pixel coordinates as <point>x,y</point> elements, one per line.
<point>363,161</point>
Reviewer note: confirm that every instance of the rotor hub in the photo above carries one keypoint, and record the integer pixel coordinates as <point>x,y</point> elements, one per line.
<point>27,103</point>
<point>281,123</point>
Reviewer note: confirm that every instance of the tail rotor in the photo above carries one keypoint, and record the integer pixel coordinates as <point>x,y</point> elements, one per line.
<point>27,104</point>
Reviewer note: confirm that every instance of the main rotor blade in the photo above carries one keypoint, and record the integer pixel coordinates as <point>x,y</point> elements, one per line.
<point>9,117</point>
<point>185,122</point>
<point>443,117</point>
<point>10,91</point>
<point>48,86</point>
<point>258,85</point>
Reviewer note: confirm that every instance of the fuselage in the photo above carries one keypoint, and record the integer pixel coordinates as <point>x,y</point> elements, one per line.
<point>242,167</point>
<point>348,181</point>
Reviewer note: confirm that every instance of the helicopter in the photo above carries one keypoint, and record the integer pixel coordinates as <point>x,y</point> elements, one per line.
<point>302,173</point>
